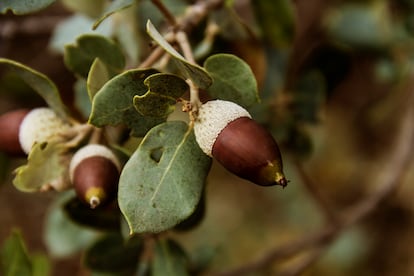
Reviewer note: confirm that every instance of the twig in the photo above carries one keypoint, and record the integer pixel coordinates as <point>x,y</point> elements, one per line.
<point>329,213</point>
<point>388,181</point>
<point>164,10</point>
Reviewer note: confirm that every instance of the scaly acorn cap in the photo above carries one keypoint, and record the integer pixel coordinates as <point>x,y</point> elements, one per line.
<point>94,171</point>
<point>225,131</point>
<point>9,131</point>
<point>39,125</point>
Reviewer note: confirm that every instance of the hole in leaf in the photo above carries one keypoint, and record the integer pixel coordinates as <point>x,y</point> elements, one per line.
<point>156,154</point>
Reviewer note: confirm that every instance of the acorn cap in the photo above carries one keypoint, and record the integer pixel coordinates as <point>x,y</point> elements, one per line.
<point>213,117</point>
<point>39,125</point>
<point>92,150</point>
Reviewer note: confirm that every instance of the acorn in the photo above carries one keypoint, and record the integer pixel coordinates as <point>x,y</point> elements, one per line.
<point>40,125</point>
<point>9,131</point>
<point>94,172</point>
<point>226,131</point>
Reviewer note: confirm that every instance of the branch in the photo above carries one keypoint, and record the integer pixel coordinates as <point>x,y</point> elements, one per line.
<point>388,180</point>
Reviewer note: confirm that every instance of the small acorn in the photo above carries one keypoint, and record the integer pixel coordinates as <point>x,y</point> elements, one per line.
<point>39,125</point>
<point>9,131</point>
<point>225,131</point>
<point>94,171</point>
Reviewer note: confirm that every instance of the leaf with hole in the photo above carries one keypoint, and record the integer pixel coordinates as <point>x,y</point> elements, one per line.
<point>47,165</point>
<point>113,104</point>
<point>160,100</point>
<point>162,182</point>
<point>233,80</point>
<point>40,83</point>
<point>192,71</point>
<point>79,57</point>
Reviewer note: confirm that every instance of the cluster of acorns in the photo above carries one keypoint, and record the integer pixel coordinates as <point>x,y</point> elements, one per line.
<point>94,169</point>
<point>223,130</point>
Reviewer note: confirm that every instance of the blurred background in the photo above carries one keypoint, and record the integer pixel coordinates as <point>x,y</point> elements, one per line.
<point>336,82</point>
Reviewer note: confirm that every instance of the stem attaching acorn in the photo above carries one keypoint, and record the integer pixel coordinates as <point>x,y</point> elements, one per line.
<point>226,131</point>
<point>94,171</point>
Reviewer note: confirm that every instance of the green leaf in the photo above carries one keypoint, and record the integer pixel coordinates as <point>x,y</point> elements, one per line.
<point>41,265</point>
<point>62,236</point>
<point>97,77</point>
<point>114,7</point>
<point>113,254</point>
<point>80,56</point>
<point>160,100</point>
<point>365,25</point>
<point>276,19</point>
<point>40,83</point>
<point>170,259</point>
<point>162,182</point>
<point>72,27</point>
<point>23,6</point>
<point>14,259</point>
<point>47,163</point>
<point>113,104</point>
<point>82,101</point>
<point>233,80</point>
<point>104,218</point>
<point>192,71</point>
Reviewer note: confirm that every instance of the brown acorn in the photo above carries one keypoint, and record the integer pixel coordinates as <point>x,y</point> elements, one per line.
<point>94,172</point>
<point>9,131</point>
<point>225,131</point>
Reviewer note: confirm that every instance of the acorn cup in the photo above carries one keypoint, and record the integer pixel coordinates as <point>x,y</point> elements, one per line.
<point>22,128</point>
<point>225,131</point>
<point>94,172</point>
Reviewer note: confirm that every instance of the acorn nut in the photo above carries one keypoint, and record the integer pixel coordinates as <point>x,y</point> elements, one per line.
<point>225,131</point>
<point>9,131</point>
<point>94,171</point>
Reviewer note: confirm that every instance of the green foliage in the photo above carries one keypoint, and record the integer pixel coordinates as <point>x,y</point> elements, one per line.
<point>80,56</point>
<point>14,258</point>
<point>98,75</point>
<point>276,21</point>
<point>62,236</point>
<point>40,83</point>
<point>113,104</point>
<point>169,259</point>
<point>114,7</point>
<point>160,100</point>
<point>23,6</point>
<point>46,165</point>
<point>233,80</point>
<point>365,25</point>
<point>162,182</point>
<point>113,254</point>
<point>192,71</point>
